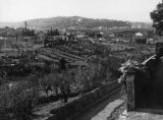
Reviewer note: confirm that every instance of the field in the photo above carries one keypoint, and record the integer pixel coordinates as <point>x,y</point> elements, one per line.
<point>32,75</point>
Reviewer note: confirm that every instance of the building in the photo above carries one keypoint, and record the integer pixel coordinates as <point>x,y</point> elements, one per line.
<point>140,38</point>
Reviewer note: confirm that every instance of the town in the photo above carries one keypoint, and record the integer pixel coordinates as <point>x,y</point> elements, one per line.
<point>76,68</point>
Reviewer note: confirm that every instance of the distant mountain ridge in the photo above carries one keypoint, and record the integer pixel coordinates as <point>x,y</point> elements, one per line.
<point>75,22</point>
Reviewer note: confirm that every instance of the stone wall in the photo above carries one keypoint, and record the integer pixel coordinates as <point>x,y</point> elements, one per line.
<point>73,109</point>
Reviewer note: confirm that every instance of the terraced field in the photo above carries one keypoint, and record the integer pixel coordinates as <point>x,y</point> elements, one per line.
<point>56,55</point>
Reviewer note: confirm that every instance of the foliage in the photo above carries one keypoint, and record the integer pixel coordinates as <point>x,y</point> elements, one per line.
<point>53,32</point>
<point>27,32</point>
<point>157,17</point>
<point>19,98</point>
<point>22,97</point>
<point>95,75</point>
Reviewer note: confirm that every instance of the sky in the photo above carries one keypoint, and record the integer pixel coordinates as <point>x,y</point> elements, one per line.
<point>127,10</point>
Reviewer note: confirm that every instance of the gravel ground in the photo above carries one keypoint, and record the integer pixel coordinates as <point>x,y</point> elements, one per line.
<point>104,109</point>
<point>118,112</point>
<point>141,115</point>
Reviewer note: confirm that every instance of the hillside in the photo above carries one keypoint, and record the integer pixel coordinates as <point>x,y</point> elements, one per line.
<point>74,22</point>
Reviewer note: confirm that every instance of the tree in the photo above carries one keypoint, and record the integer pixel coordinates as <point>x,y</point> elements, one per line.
<point>66,80</point>
<point>157,17</point>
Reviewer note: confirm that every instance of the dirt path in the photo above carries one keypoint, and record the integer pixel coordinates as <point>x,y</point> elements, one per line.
<point>103,110</point>
<point>43,112</point>
<point>141,115</point>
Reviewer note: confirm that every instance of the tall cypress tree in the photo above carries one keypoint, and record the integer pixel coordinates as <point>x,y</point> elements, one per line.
<point>157,17</point>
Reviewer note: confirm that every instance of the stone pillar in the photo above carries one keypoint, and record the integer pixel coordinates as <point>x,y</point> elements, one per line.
<point>130,91</point>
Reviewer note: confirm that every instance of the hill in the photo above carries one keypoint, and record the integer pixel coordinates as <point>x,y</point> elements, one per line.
<point>74,22</point>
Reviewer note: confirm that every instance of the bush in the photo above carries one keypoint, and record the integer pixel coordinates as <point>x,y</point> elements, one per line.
<point>20,100</point>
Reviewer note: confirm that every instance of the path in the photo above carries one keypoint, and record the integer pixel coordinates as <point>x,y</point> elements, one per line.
<point>43,112</point>
<point>141,115</point>
<point>103,110</point>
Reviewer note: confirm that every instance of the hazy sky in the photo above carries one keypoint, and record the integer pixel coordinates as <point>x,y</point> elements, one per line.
<point>131,10</point>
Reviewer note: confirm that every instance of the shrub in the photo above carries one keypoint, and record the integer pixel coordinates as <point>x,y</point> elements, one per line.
<point>20,100</point>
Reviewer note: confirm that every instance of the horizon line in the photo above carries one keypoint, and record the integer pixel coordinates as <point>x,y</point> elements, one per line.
<point>17,21</point>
